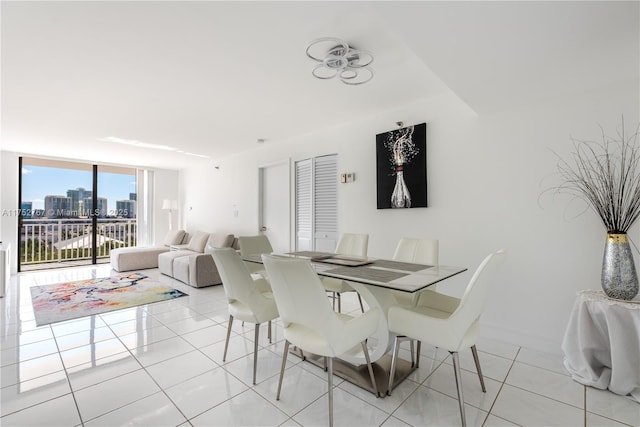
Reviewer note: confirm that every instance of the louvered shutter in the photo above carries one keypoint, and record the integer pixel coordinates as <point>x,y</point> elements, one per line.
<point>325,202</point>
<point>317,204</point>
<point>304,206</point>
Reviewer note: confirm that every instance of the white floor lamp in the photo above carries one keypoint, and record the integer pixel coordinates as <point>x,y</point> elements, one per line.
<point>170,205</point>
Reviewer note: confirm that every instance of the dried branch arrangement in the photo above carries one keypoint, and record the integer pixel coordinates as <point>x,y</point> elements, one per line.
<point>605,174</point>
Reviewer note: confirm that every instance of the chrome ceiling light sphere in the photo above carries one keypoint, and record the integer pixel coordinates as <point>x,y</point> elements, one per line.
<point>336,58</point>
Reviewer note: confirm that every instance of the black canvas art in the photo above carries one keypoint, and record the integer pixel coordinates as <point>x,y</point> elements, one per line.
<point>401,158</point>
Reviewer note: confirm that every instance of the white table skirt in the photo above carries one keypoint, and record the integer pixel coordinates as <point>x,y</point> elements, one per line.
<point>602,343</point>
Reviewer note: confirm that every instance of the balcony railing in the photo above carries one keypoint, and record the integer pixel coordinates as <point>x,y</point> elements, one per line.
<point>67,240</point>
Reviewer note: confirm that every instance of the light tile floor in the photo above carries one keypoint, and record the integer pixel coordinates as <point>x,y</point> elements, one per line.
<point>161,365</point>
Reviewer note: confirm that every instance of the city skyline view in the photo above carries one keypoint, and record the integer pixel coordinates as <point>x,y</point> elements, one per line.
<point>39,182</point>
<point>64,222</point>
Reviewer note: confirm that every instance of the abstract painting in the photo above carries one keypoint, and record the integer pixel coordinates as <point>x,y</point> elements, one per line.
<point>401,165</point>
<point>70,300</point>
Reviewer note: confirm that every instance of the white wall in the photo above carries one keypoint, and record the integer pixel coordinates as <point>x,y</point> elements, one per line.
<point>1,168</point>
<point>166,186</point>
<point>9,204</point>
<point>486,175</point>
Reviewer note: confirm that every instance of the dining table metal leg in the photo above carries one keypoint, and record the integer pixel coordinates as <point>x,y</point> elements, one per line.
<point>370,367</point>
<point>394,361</point>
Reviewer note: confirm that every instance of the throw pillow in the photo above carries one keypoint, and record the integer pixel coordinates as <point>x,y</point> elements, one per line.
<point>219,240</point>
<point>174,237</point>
<point>198,241</point>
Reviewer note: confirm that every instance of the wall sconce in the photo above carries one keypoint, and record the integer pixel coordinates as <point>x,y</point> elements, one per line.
<point>347,177</point>
<point>170,205</point>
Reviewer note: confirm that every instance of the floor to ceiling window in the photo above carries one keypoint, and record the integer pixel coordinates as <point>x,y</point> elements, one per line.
<point>74,213</point>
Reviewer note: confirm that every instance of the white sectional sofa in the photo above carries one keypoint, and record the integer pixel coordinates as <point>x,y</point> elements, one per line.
<point>194,265</point>
<point>142,257</point>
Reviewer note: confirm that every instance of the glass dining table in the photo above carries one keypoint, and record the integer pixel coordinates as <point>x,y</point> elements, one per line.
<point>374,279</point>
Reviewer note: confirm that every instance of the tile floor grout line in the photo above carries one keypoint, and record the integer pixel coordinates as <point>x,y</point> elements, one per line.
<point>612,419</point>
<point>216,405</point>
<point>34,405</point>
<point>361,399</point>
<point>538,394</point>
<point>46,400</point>
<point>324,394</point>
<point>107,324</point>
<point>584,390</point>
<point>420,384</point>
<point>544,396</point>
<point>215,296</point>
<point>543,368</point>
<point>30,360</point>
<point>143,369</point>
<point>504,381</point>
<point>66,374</point>
<point>289,417</point>
<point>223,367</point>
<point>587,412</point>
<point>446,395</point>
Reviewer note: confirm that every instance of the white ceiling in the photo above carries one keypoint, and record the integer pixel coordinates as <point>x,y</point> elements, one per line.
<point>210,78</point>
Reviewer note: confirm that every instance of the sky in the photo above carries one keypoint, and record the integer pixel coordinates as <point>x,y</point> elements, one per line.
<point>38,182</point>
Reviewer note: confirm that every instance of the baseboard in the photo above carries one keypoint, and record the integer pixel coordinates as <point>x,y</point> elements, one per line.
<point>540,343</point>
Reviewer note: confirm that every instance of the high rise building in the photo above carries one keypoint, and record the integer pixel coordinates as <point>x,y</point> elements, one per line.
<point>126,208</point>
<point>77,196</point>
<point>26,210</point>
<point>57,206</point>
<point>101,209</point>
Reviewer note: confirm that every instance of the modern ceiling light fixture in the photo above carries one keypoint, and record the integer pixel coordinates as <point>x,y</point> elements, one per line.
<point>337,59</point>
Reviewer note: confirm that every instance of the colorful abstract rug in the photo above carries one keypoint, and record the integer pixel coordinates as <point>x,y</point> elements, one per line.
<point>70,300</point>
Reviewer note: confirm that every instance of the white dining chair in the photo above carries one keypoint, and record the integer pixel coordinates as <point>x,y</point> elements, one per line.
<point>418,251</point>
<point>349,244</point>
<point>447,322</point>
<point>255,245</point>
<point>245,296</point>
<point>309,321</point>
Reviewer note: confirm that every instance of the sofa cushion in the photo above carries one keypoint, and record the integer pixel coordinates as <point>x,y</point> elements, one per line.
<point>219,240</point>
<point>165,260</point>
<point>174,237</point>
<point>198,241</point>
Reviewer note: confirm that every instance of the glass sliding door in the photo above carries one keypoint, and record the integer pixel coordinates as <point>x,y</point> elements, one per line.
<point>53,222</point>
<point>69,217</point>
<point>116,210</point>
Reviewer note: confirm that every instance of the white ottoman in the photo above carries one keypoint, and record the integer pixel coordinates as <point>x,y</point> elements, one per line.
<point>136,258</point>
